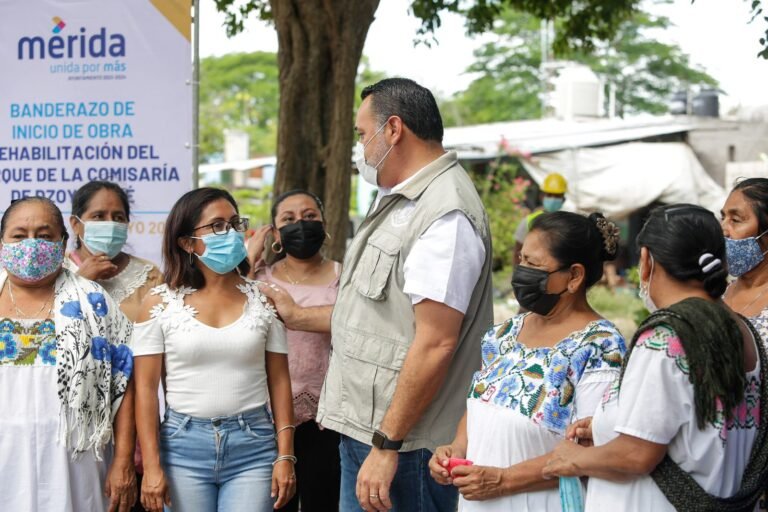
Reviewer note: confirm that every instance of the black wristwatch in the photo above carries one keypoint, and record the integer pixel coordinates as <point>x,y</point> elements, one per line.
<point>382,442</point>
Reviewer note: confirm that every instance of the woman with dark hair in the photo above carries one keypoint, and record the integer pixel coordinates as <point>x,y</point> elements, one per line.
<point>679,427</point>
<point>298,231</point>
<point>540,370</point>
<point>65,366</point>
<point>100,216</point>
<point>745,224</point>
<point>221,351</point>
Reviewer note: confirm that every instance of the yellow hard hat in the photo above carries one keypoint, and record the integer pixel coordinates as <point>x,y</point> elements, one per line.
<point>554,183</point>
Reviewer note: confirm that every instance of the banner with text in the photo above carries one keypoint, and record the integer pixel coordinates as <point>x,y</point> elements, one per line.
<point>97,90</point>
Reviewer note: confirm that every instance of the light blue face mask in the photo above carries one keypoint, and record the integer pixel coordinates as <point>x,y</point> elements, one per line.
<point>104,236</point>
<point>571,494</point>
<point>223,252</point>
<point>552,204</point>
<point>743,255</point>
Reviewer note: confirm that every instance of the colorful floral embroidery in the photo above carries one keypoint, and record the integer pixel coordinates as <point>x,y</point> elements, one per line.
<point>745,416</point>
<point>611,393</point>
<point>540,383</point>
<point>27,342</point>
<point>48,352</point>
<point>663,338</point>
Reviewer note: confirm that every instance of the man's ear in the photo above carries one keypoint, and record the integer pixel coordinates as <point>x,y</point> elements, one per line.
<point>394,130</point>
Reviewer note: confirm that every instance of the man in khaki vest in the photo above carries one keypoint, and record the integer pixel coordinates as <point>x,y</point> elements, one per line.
<point>414,301</point>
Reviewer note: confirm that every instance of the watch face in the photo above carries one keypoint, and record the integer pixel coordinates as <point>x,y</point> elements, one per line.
<point>378,439</point>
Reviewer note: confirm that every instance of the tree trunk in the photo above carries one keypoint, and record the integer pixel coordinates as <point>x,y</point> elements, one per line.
<point>320,46</point>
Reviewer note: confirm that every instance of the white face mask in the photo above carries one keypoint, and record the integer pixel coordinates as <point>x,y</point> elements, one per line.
<point>645,291</point>
<point>370,173</point>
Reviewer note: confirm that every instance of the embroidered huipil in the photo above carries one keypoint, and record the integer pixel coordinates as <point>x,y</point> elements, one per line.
<point>523,399</point>
<point>760,323</point>
<point>308,352</point>
<point>656,403</point>
<point>72,362</point>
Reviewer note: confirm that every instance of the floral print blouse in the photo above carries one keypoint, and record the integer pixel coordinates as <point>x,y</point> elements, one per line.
<point>540,383</point>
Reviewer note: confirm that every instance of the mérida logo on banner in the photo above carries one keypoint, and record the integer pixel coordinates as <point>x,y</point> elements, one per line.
<point>83,45</point>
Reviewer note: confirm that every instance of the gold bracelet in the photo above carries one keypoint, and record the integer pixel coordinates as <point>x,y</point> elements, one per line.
<point>284,428</point>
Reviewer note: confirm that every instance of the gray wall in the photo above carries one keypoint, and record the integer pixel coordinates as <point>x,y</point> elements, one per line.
<point>717,141</point>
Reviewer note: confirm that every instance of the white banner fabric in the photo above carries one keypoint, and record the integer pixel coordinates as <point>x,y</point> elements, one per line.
<point>97,90</point>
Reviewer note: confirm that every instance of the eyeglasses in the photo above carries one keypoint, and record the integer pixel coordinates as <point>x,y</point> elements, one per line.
<point>222,227</point>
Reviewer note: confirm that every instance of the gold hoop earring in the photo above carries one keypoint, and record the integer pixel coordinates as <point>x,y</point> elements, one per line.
<point>328,236</point>
<point>277,251</point>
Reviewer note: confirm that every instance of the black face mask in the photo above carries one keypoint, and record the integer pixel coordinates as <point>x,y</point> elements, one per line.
<point>530,286</point>
<point>302,239</point>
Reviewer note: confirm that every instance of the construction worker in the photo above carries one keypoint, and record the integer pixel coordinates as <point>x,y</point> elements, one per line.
<point>551,197</point>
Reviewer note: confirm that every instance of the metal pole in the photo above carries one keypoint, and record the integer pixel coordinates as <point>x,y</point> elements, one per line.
<point>196,95</point>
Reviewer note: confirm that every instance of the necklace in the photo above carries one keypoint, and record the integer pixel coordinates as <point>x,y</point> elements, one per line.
<point>307,276</point>
<point>19,311</point>
<point>742,310</point>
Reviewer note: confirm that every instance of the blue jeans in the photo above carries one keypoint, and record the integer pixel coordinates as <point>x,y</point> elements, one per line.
<point>412,490</point>
<point>222,463</point>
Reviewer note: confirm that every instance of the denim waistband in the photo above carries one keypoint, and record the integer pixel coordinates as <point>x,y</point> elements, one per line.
<point>221,421</point>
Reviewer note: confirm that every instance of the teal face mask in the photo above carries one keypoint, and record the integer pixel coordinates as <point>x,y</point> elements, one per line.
<point>104,236</point>
<point>223,252</point>
<point>571,494</point>
<point>552,204</point>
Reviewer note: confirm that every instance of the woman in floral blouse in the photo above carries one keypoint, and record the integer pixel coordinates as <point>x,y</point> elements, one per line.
<point>540,370</point>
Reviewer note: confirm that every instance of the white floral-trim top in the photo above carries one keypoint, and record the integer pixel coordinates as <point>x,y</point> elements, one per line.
<point>212,371</point>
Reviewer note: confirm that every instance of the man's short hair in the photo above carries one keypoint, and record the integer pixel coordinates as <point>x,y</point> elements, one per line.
<point>412,103</point>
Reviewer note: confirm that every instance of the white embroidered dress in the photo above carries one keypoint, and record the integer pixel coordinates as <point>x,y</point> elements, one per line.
<point>212,371</point>
<point>523,399</point>
<point>46,363</point>
<point>656,403</point>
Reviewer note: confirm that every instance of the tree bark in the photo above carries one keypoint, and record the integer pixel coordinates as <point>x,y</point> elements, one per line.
<point>320,46</point>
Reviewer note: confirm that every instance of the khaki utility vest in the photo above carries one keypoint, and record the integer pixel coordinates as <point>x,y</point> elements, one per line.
<point>373,323</point>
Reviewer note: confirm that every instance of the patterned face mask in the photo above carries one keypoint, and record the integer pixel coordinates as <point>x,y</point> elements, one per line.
<point>743,255</point>
<point>32,259</point>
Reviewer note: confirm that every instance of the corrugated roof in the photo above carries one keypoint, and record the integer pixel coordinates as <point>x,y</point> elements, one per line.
<point>482,142</point>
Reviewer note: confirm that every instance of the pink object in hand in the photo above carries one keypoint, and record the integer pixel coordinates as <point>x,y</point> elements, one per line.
<point>454,462</point>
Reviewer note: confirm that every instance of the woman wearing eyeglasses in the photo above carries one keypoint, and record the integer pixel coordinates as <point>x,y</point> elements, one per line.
<point>223,352</point>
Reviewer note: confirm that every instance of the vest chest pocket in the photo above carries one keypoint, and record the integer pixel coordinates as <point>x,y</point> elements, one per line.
<point>375,265</point>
